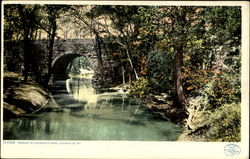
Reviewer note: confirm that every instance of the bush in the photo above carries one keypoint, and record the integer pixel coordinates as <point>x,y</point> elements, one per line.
<point>226,123</point>
<point>159,67</point>
<point>139,88</point>
<point>222,124</point>
<point>221,90</point>
<point>216,86</point>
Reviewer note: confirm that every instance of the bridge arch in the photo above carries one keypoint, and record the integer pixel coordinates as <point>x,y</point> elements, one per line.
<point>61,63</point>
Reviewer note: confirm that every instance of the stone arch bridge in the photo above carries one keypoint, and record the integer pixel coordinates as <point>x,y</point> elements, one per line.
<point>66,50</point>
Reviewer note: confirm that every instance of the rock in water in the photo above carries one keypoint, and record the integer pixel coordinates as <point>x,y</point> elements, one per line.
<point>22,98</point>
<point>10,110</point>
<point>31,97</point>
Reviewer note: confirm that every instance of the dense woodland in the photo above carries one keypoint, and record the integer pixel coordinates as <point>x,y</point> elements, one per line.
<point>191,53</point>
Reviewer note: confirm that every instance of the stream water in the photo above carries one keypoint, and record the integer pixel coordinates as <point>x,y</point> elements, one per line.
<point>89,114</point>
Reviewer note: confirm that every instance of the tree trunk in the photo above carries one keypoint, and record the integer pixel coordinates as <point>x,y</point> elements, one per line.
<point>129,59</point>
<point>27,53</point>
<point>131,64</point>
<point>99,50</point>
<point>26,43</point>
<point>50,48</point>
<point>123,76</point>
<point>99,59</point>
<point>178,60</point>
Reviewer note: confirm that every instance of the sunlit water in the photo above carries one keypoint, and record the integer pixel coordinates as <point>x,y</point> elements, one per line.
<point>89,114</point>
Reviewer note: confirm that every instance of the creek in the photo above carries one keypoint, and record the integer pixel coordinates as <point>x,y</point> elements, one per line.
<point>91,114</point>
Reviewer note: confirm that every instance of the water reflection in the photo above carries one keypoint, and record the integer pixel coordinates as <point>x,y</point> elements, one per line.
<point>92,115</point>
<point>82,90</point>
<point>47,127</point>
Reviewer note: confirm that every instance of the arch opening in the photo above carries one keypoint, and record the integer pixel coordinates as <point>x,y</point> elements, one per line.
<point>70,64</point>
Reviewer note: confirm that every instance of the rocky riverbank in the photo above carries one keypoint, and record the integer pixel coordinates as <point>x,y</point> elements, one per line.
<point>22,99</point>
<point>164,104</point>
<point>161,104</point>
<point>200,125</point>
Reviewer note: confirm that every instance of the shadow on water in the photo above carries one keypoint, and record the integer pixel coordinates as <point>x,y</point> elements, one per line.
<point>90,114</point>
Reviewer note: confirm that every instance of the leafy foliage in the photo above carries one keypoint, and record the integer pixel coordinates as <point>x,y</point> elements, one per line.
<point>229,126</point>
<point>159,66</point>
<point>77,63</point>
<point>139,88</point>
<point>217,86</point>
<point>13,58</point>
<point>212,64</point>
<point>222,124</point>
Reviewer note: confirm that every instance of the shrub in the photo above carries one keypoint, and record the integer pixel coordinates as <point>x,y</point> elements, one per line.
<point>222,124</point>
<point>226,123</point>
<point>139,88</point>
<point>218,86</point>
<point>159,67</point>
<point>221,90</point>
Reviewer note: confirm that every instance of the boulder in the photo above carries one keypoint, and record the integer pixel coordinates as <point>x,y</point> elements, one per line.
<point>198,120</point>
<point>20,98</point>
<point>13,109</point>
<point>31,96</point>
